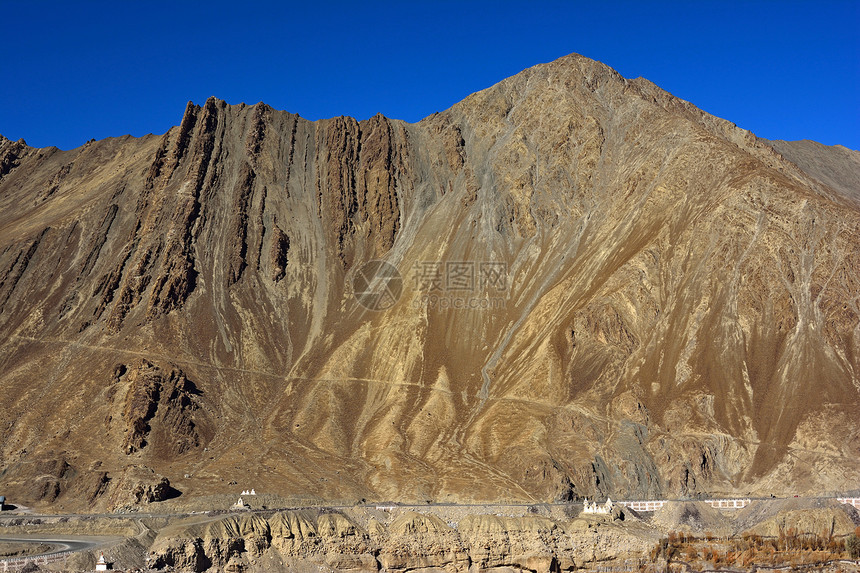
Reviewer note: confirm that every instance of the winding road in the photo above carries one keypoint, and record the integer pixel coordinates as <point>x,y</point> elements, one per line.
<point>60,545</point>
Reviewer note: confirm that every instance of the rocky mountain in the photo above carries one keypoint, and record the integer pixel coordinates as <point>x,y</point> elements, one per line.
<point>591,288</point>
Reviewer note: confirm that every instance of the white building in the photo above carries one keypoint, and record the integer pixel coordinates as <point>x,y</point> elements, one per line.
<point>593,507</point>
<point>101,564</point>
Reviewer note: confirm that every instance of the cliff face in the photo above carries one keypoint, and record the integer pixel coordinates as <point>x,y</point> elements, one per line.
<point>306,540</point>
<point>604,291</point>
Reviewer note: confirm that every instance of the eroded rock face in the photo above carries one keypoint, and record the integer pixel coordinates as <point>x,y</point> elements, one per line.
<point>162,407</point>
<point>136,486</point>
<point>410,541</point>
<point>670,306</point>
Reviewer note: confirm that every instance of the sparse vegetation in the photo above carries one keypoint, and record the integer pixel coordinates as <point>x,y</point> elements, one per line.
<point>852,544</point>
<point>790,548</point>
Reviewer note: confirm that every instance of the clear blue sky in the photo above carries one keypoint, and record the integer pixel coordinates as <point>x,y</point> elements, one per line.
<point>72,71</point>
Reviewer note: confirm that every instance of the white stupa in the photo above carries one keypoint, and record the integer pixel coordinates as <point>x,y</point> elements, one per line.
<point>101,564</point>
<point>599,509</point>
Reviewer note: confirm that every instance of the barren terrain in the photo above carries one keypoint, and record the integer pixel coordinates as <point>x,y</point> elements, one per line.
<point>656,304</point>
<point>476,538</point>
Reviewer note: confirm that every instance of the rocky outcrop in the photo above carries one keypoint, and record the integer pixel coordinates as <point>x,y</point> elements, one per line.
<point>279,253</point>
<point>357,187</point>
<point>410,541</point>
<point>138,486</point>
<point>11,154</point>
<point>141,402</point>
<point>161,404</point>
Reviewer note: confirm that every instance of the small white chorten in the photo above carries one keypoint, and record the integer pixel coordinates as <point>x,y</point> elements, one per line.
<point>600,509</point>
